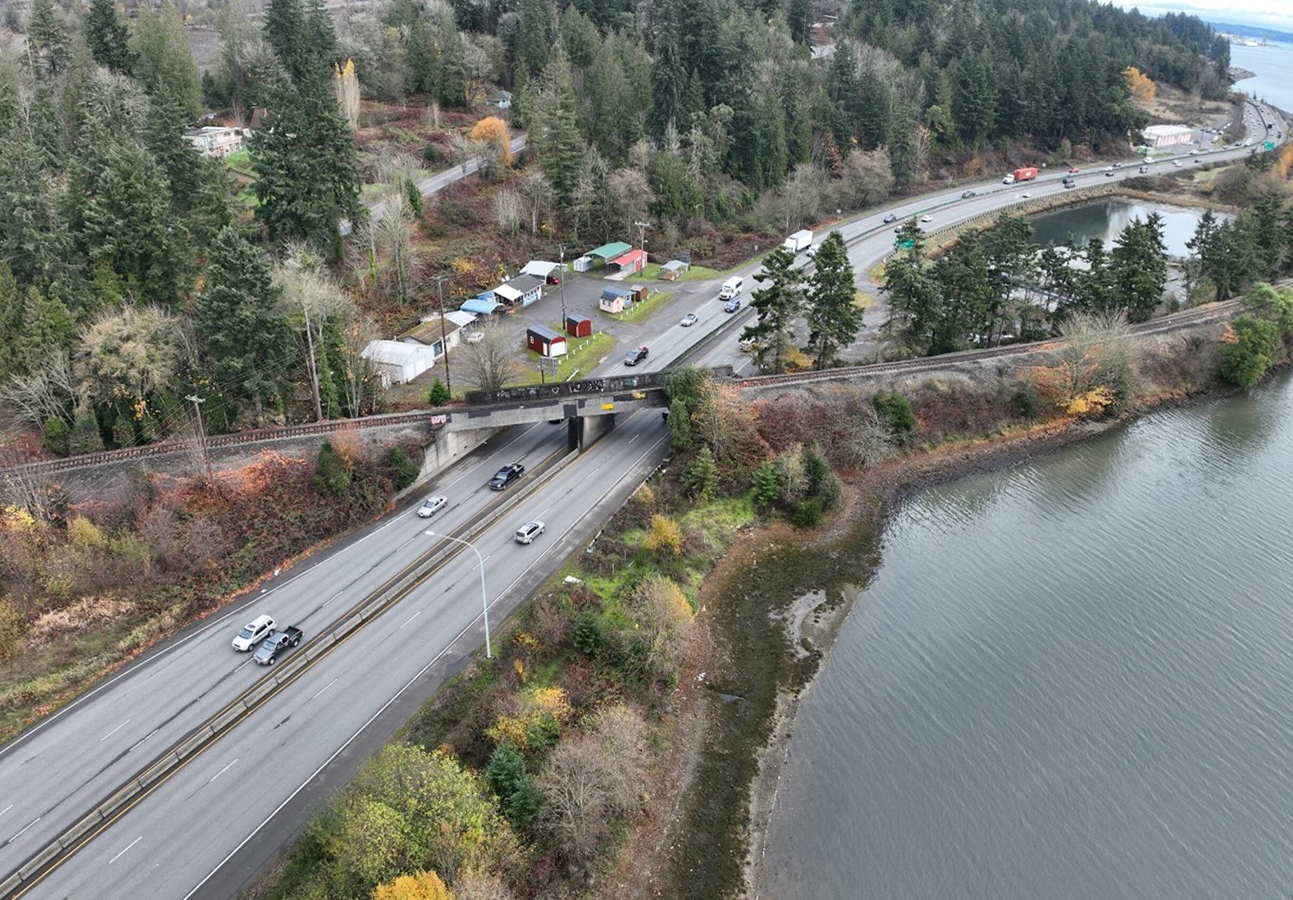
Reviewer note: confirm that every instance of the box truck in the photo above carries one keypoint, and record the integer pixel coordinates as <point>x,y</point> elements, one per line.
<point>799,241</point>
<point>1028,173</point>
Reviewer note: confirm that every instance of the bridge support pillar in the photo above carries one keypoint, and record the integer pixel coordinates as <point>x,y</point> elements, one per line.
<point>584,430</point>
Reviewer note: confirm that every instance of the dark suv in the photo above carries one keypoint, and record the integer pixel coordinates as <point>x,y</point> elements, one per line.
<point>505,476</point>
<point>636,356</point>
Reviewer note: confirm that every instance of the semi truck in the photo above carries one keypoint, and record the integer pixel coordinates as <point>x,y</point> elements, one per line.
<point>1028,173</point>
<point>799,241</point>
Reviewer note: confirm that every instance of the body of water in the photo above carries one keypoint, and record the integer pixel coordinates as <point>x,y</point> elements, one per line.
<point>1274,67</point>
<point>1070,679</point>
<point>1106,219</point>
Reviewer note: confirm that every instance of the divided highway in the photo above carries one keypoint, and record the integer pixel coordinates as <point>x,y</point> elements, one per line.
<point>213,821</point>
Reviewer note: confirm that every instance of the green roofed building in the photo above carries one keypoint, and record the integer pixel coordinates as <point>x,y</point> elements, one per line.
<point>607,252</point>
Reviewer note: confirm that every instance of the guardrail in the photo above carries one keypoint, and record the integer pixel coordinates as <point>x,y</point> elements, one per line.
<point>151,776</point>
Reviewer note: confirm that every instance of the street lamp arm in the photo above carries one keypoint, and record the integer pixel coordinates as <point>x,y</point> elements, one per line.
<point>484,597</point>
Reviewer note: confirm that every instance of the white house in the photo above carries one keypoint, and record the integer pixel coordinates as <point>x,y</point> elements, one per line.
<point>398,362</point>
<point>215,140</point>
<point>1160,136</point>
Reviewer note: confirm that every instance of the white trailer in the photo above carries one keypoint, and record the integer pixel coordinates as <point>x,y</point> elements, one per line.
<point>799,241</point>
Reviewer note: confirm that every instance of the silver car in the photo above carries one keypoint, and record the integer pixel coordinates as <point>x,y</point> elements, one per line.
<point>529,531</point>
<point>431,506</point>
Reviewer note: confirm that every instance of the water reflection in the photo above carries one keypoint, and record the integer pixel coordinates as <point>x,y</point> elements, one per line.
<point>1105,219</point>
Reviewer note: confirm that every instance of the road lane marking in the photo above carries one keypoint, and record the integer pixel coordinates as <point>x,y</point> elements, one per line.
<point>144,738</point>
<point>128,846</point>
<point>6,809</point>
<point>243,666</point>
<point>411,618</point>
<point>213,778</point>
<point>21,833</point>
<point>324,688</point>
<point>114,731</point>
<point>635,437</point>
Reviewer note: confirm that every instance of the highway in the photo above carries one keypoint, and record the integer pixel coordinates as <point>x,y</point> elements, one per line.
<point>210,824</point>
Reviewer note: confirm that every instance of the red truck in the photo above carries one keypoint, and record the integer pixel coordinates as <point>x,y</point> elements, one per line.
<point>1027,173</point>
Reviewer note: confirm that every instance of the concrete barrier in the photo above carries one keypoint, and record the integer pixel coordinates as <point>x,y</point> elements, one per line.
<point>79,830</point>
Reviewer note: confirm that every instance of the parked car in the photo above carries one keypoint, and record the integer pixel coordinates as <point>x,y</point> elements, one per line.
<point>505,476</point>
<point>927,219</point>
<point>966,195</point>
<point>475,337</point>
<point>252,632</point>
<point>432,505</point>
<point>732,305</point>
<point>636,356</point>
<point>553,278</point>
<point>689,320</point>
<point>892,217</point>
<point>529,531</point>
<point>276,644</point>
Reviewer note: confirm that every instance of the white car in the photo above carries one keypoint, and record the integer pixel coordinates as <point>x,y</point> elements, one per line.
<point>529,531</point>
<point>689,320</point>
<point>431,506</point>
<point>1025,195</point>
<point>1177,163</point>
<point>252,632</point>
<point>475,337</point>
<point>927,219</point>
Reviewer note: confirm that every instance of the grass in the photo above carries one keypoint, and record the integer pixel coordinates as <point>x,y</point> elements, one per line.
<point>640,312</point>
<point>240,162</point>
<point>695,273</point>
<point>583,354</point>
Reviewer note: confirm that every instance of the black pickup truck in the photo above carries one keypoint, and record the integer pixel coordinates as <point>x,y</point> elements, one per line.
<point>276,643</point>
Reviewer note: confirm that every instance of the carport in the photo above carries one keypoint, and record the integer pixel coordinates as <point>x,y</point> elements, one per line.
<point>607,252</point>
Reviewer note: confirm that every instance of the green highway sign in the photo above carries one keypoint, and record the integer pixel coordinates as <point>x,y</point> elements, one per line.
<point>1269,145</point>
<point>901,244</point>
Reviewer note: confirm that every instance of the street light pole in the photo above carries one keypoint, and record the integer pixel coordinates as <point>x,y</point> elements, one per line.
<point>562,276</point>
<point>484,598</point>
<point>444,339</point>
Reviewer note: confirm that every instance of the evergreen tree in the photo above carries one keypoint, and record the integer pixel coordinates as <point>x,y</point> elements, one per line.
<point>1138,267</point>
<point>107,38</point>
<point>47,38</point>
<point>85,436</point>
<point>833,315</point>
<point>535,35</point>
<point>915,310</point>
<point>778,304</point>
<point>306,165</point>
<point>34,241</point>
<point>800,20</point>
<point>165,59</point>
<point>238,321</point>
<point>555,131</point>
<point>669,78</point>
<point>197,194</point>
<point>875,111</point>
<point>842,88</point>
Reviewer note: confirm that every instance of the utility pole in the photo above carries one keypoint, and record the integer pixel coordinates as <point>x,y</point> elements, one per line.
<point>201,434</point>
<point>642,227</point>
<point>562,258</point>
<point>444,338</point>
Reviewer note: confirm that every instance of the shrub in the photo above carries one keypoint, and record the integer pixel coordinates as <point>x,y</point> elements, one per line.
<point>419,886</point>
<point>822,483</point>
<point>662,622</point>
<point>895,412</point>
<point>700,480</point>
<point>807,513</point>
<point>54,435</point>
<point>1249,353</point>
<point>13,628</point>
<point>438,394</point>
<point>665,537</point>
<point>404,471</point>
<point>587,635</point>
<point>766,487</point>
<point>331,474</point>
<point>432,153</point>
<point>1025,401</point>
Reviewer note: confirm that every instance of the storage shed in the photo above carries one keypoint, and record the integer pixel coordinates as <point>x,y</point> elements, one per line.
<point>673,269</point>
<point>614,299</point>
<point>583,264</point>
<point>397,362</point>
<point>579,326</point>
<point>545,341</point>
<point>638,292</point>
<point>633,261</point>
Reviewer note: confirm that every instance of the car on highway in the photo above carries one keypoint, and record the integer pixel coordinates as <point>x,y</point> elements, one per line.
<point>1194,152</point>
<point>1109,173</point>
<point>1177,163</point>
<point>276,644</point>
<point>966,195</point>
<point>927,219</point>
<point>505,476</point>
<point>689,320</point>
<point>897,229</point>
<point>636,356</point>
<point>1069,183</point>
<point>529,531</point>
<point>432,505</point>
<point>732,305</point>
<point>892,217</point>
<point>1026,195</point>
<point>1074,171</point>
<point>475,337</point>
<point>1117,165</point>
<point>1143,169</point>
<point>252,632</point>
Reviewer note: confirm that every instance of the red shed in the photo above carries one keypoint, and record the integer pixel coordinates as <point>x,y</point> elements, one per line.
<point>544,341</point>
<point>633,261</point>
<point>579,326</point>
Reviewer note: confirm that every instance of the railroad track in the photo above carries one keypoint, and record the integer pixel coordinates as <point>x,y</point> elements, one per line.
<point>240,439</point>
<point>907,366</point>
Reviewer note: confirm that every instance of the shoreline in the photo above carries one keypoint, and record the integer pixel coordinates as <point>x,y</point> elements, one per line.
<point>1238,73</point>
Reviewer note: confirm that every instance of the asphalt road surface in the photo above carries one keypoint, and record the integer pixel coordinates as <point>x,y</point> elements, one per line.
<point>217,820</point>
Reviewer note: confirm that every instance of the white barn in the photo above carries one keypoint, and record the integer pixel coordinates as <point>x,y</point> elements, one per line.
<point>398,362</point>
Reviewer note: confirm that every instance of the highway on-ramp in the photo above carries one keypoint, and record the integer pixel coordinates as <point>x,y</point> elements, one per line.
<point>213,821</point>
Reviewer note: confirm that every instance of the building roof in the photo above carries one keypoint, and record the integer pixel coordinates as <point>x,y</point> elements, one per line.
<point>460,318</point>
<point>629,258</point>
<point>508,294</point>
<point>539,268</point>
<point>543,332</point>
<point>1167,130</point>
<point>396,353</point>
<point>674,265</point>
<point>429,331</point>
<point>480,307</point>
<point>610,293</point>
<point>525,282</point>
<point>577,318</point>
<point>607,252</point>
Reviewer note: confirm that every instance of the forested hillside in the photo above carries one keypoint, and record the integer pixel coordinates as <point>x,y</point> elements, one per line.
<point>133,274</point>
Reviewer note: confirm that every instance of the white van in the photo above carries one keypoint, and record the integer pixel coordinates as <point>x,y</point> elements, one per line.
<point>731,288</point>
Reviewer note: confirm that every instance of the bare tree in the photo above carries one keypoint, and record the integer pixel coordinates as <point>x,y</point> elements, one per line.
<point>1097,352</point>
<point>47,392</point>
<point>508,212</point>
<point>866,176</point>
<point>491,361</point>
<point>126,353</point>
<point>357,374</point>
<point>481,886</point>
<point>313,299</point>
<point>538,196</point>
<point>394,239</point>
<point>802,195</point>
<point>464,150</point>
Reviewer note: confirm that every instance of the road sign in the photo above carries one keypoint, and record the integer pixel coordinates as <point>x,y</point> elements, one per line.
<point>904,243</point>
<point>1269,145</point>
